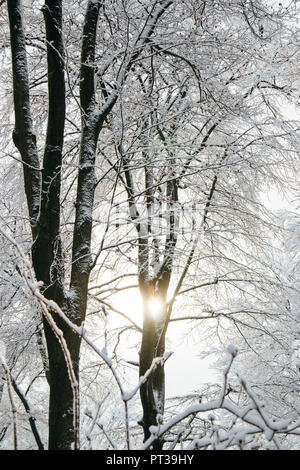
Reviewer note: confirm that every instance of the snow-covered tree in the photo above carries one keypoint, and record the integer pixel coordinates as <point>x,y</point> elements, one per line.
<point>147,132</point>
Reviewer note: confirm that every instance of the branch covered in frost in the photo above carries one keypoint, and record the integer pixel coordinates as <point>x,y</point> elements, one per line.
<point>251,423</point>
<point>10,395</point>
<point>157,360</point>
<point>31,418</point>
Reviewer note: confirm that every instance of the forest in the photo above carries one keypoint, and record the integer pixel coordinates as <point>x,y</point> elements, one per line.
<point>149,225</point>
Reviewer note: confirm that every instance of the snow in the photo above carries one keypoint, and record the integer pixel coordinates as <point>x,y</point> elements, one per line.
<point>2,352</point>
<point>233,350</point>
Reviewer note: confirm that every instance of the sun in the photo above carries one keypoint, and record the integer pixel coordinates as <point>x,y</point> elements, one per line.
<point>155,307</point>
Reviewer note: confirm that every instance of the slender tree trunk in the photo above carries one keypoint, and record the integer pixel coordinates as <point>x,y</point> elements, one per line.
<point>152,392</point>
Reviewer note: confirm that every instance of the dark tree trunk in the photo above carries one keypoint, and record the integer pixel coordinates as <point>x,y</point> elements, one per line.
<point>23,136</point>
<point>152,392</point>
<point>155,328</point>
<point>63,421</point>
<point>42,188</point>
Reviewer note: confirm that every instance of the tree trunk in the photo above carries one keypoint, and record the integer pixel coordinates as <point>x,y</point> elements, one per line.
<point>42,190</point>
<point>63,425</point>
<point>152,392</point>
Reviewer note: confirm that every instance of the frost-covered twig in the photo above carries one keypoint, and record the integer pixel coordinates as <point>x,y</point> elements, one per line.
<point>10,395</point>
<point>31,418</point>
<point>156,361</point>
<point>233,352</point>
<point>94,420</point>
<point>100,426</point>
<point>251,424</point>
<point>270,427</point>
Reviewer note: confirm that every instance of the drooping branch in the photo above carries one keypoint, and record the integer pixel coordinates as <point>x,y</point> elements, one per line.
<point>31,419</point>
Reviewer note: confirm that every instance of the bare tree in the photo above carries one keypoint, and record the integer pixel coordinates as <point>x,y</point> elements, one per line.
<point>43,182</point>
<point>191,137</point>
<point>174,112</point>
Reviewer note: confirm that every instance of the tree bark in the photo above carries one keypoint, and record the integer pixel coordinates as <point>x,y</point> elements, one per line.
<point>152,392</point>
<point>42,190</point>
<point>42,187</point>
<point>23,136</point>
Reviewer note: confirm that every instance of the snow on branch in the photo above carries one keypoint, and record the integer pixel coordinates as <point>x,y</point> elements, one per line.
<point>248,420</point>
<point>252,418</point>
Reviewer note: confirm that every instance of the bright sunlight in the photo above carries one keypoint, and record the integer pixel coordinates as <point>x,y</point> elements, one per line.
<point>155,307</point>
